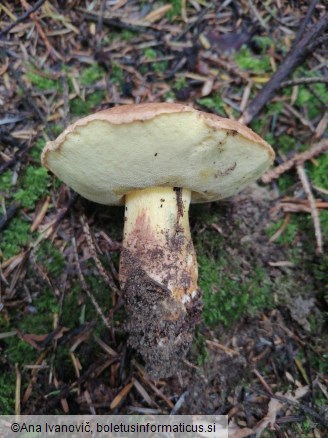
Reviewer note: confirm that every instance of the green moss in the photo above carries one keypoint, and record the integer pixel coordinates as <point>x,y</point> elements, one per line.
<point>37,148</point>
<point>307,427</point>
<point>91,75</point>
<point>263,43</point>
<point>18,351</point>
<point>301,223</point>
<point>286,143</point>
<point>6,180</point>
<point>95,99</point>
<point>324,226</point>
<point>179,84</point>
<point>322,366</point>
<point>56,129</point>
<point>199,348</point>
<point>227,296</point>
<point>306,99</point>
<point>159,66</point>
<point>118,36</point>
<point>70,311</point>
<point>275,108</point>
<point>150,53</point>
<point>143,69</point>
<point>42,321</point>
<point>73,309</point>
<point>175,10</point>
<point>126,35</point>
<point>246,60</point>
<point>78,107</point>
<point>103,296</point>
<point>321,90</point>
<point>15,237</point>
<point>319,173</point>
<point>214,102</point>
<point>40,82</point>
<point>169,96</point>
<point>38,322</point>
<point>34,186</point>
<point>286,181</point>
<point>7,393</point>
<point>88,77</point>
<point>64,366</point>
<point>50,257</point>
<point>320,272</point>
<point>261,124</point>
<point>117,74</point>
<point>289,235</point>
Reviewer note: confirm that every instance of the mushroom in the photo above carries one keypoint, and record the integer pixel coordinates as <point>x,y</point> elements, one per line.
<point>155,159</point>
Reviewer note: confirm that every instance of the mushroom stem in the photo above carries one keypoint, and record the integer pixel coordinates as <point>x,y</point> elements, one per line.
<point>158,275</point>
<point>157,235</point>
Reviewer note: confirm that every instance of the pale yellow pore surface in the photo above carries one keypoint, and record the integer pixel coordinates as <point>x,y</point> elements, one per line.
<point>157,236</point>
<point>103,161</point>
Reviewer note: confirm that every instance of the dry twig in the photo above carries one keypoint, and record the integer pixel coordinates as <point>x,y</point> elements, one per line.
<point>22,17</point>
<point>300,406</point>
<point>304,81</point>
<point>295,56</point>
<point>297,159</point>
<point>305,22</point>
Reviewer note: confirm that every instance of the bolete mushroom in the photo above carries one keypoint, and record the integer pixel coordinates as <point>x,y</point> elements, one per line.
<point>155,159</point>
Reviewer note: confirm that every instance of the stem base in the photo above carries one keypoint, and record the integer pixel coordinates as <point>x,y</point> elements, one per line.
<point>160,327</point>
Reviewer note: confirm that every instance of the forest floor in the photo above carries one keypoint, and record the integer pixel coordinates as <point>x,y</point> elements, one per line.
<point>260,353</point>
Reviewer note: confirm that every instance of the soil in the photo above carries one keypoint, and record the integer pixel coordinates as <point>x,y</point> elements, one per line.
<point>256,341</point>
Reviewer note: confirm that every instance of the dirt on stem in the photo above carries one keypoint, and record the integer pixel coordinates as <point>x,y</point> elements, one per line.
<point>160,327</point>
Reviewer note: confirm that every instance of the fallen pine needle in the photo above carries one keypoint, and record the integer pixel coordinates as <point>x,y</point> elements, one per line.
<point>18,390</point>
<point>39,218</point>
<point>262,380</point>
<point>222,347</point>
<point>86,287</point>
<point>121,395</point>
<point>279,232</point>
<point>104,346</point>
<point>314,211</point>
<point>301,369</point>
<point>108,280</point>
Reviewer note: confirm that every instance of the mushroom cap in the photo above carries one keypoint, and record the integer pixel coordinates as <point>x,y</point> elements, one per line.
<point>130,147</point>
